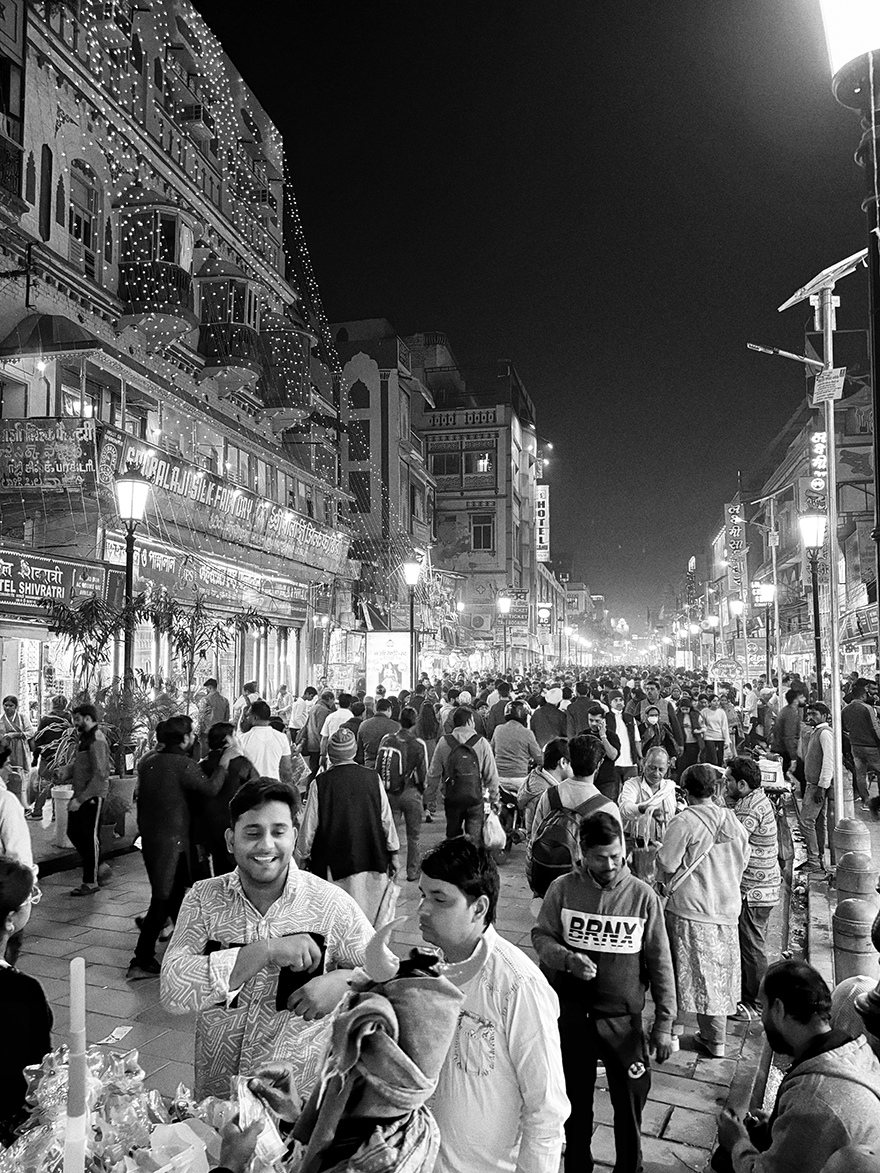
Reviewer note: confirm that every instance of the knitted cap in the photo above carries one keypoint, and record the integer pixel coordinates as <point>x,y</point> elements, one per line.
<point>342,746</point>
<point>553,696</point>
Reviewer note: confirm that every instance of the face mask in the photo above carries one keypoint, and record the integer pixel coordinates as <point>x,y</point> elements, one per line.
<point>653,720</point>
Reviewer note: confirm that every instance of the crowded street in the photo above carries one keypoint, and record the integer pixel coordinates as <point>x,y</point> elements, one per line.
<point>416,760</point>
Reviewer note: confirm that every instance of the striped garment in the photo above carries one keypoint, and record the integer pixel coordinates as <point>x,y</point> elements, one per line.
<point>760,882</point>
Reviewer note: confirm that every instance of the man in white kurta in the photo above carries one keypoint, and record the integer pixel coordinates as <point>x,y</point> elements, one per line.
<point>236,932</point>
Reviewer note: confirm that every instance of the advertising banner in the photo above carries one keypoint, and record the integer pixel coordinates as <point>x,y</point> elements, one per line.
<point>218,507</point>
<point>48,455</point>
<point>519,607</point>
<point>28,581</point>
<point>735,542</point>
<point>542,523</point>
<point>387,661</point>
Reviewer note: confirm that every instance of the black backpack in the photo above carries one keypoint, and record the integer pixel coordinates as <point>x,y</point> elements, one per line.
<point>555,849</point>
<point>464,784</point>
<point>391,763</point>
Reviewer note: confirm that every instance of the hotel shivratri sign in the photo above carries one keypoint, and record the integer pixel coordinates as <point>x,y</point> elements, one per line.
<point>29,581</point>
<point>217,507</point>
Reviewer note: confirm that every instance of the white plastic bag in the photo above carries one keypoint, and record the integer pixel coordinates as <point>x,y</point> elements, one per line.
<point>494,837</point>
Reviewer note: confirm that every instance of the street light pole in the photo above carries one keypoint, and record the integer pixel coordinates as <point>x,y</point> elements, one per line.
<point>128,631</point>
<point>812,527</point>
<point>504,602</point>
<point>411,571</point>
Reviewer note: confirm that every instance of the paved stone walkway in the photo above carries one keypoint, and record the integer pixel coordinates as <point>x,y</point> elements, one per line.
<point>687,1092</point>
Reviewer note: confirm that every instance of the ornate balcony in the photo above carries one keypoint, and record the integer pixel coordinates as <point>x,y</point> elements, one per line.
<point>158,299</point>
<point>233,356</point>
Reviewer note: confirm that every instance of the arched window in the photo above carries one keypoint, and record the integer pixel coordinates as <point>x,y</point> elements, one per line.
<point>108,242</point>
<point>342,334</point>
<point>60,203</point>
<point>84,217</point>
<point>46,193</point>
<point>137,54</point>
<point>30,180</point>
<point>359,395</point>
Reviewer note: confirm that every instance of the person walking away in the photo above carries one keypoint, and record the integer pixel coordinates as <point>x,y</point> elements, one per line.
<point>786,731</point>
<point>299,713</point>
<point>304,936</point>
<point>819,774</point>
<point>17,733</point>
<point>356,719</point>
<point>241,710</point>
<point>829,1098</point>
<point>515,747</point>
<point>227,767</point>
<point>371,732</point>
<point>339,716</point>
<point>463,761</point>
<point>577,713</point>
<point>606,779</point>
<point>89,774</point>
<point>716,733</point>
<point>213,708</point>
<point>860,721</point>
<point>701,863</point>
<point>548,721</point>
<point>556,769</point>
<point>267,748</point>
<point>601,940</point>
<point>692,736</point>
<point>428,730</point>
<point>647,802</point>
<point>309,743</point>
<point>760,881</point>
<point>348,835</point>
<point>402,764</point>
<point>27,1019</point>
<point>500,1102</point>
<point>165,779</point>
<point>497,708</point>
<point>50,730</point>
<point>624,727</point>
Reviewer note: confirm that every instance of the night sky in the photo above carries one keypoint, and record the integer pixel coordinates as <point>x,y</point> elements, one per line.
<point>616,196</point>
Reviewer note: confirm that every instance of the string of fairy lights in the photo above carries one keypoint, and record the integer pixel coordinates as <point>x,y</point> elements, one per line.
<point>162,228</point>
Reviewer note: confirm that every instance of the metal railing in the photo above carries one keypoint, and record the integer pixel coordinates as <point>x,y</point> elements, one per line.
<point>152,284</point>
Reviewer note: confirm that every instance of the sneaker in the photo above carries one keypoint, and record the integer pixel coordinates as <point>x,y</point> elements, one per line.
<point>810,866</point>
<point>33,816</point>
<point>139,971</point>
<point>745,1013</point>
<point>85,890</point>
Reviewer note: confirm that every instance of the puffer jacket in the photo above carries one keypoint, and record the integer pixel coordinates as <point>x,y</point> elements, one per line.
<point>711,893</point>
<point>829,1099</point>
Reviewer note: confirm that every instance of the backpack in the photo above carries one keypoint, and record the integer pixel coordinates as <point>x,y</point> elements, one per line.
<point>390,761</point>
<point>555,849</point>
<point>464,783</point>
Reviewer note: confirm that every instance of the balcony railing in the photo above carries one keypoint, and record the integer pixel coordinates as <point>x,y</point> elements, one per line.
<point>146,285</point>
<point>10,168</point>
<point>230,342</point>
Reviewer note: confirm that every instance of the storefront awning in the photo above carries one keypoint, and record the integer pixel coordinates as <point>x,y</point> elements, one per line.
<point>51,335</point>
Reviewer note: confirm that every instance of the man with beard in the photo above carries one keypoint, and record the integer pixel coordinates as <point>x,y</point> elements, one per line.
<point>830,1096</point>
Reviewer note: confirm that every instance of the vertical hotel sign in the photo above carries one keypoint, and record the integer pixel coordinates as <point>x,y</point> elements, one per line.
<point>542,523</point>
<point>735,543</point>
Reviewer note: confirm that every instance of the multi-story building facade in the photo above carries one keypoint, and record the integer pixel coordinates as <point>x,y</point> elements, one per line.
<point>479,430</point>
<point>154,322</point>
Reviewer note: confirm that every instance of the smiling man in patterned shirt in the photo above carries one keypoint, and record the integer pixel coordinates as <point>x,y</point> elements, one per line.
<point>760,882</point>
<point>262,953</point>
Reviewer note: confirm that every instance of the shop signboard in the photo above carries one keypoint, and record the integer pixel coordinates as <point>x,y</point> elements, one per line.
<point>542,523</point>
<point>752,653</point>
<point>48,455</point>
<point>519,607</point>
<point>29,581</point>
<point>161,567</point>
<point>221,509</point>
<point>387,660</point>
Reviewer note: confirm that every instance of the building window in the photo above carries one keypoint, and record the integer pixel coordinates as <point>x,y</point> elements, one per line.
<point>83,215</point>
<point>13,400</point>
<point>46,193</point>
<point>482,531</point>
<point>446,464</point>
<point>358,440</point>
<point>137,54</point>
<point>358,395</point>
<point>158,76</point>
<point>359,487</point>
<point>478,462</point>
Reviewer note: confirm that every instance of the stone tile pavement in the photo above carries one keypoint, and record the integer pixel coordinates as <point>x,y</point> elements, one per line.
<point>687,1092</point>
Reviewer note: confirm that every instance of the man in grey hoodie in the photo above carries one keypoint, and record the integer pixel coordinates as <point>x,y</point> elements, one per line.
<point>830,1097</point>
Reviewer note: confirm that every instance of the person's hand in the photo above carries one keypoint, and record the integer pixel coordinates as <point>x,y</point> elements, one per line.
<point>730,1129</point>
<point>275,1086</point>
<point>316,999</point>
<point>298,951</point>
<point>580,966</point>
<point>73,805</point>
<point>601,727</point>
<point>756,1119</point>
<point>393,865</point>
<point>661,1044</point>
<point>238,1145</point>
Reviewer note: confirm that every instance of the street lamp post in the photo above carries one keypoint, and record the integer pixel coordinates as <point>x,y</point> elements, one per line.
<point>737,606</point>
<point>766,595</point>
<point>567,632</point>
<point>503,603</point>
<point>693,630</point>
<point>812,527</point>
<point>411,571</point>
<point>132,494</point>
<point>852,32</point>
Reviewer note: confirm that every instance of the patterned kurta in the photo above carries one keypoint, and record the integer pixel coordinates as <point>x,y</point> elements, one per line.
<point>761,879</point>
<point>236,1032</point>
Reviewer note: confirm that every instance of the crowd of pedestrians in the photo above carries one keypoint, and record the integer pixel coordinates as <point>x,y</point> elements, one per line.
<point>271,836</point>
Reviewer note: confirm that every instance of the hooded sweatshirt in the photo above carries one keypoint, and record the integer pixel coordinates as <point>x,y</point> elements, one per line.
<point>711,893</point>
<point>620,927</point>
<point>829,1099</point>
